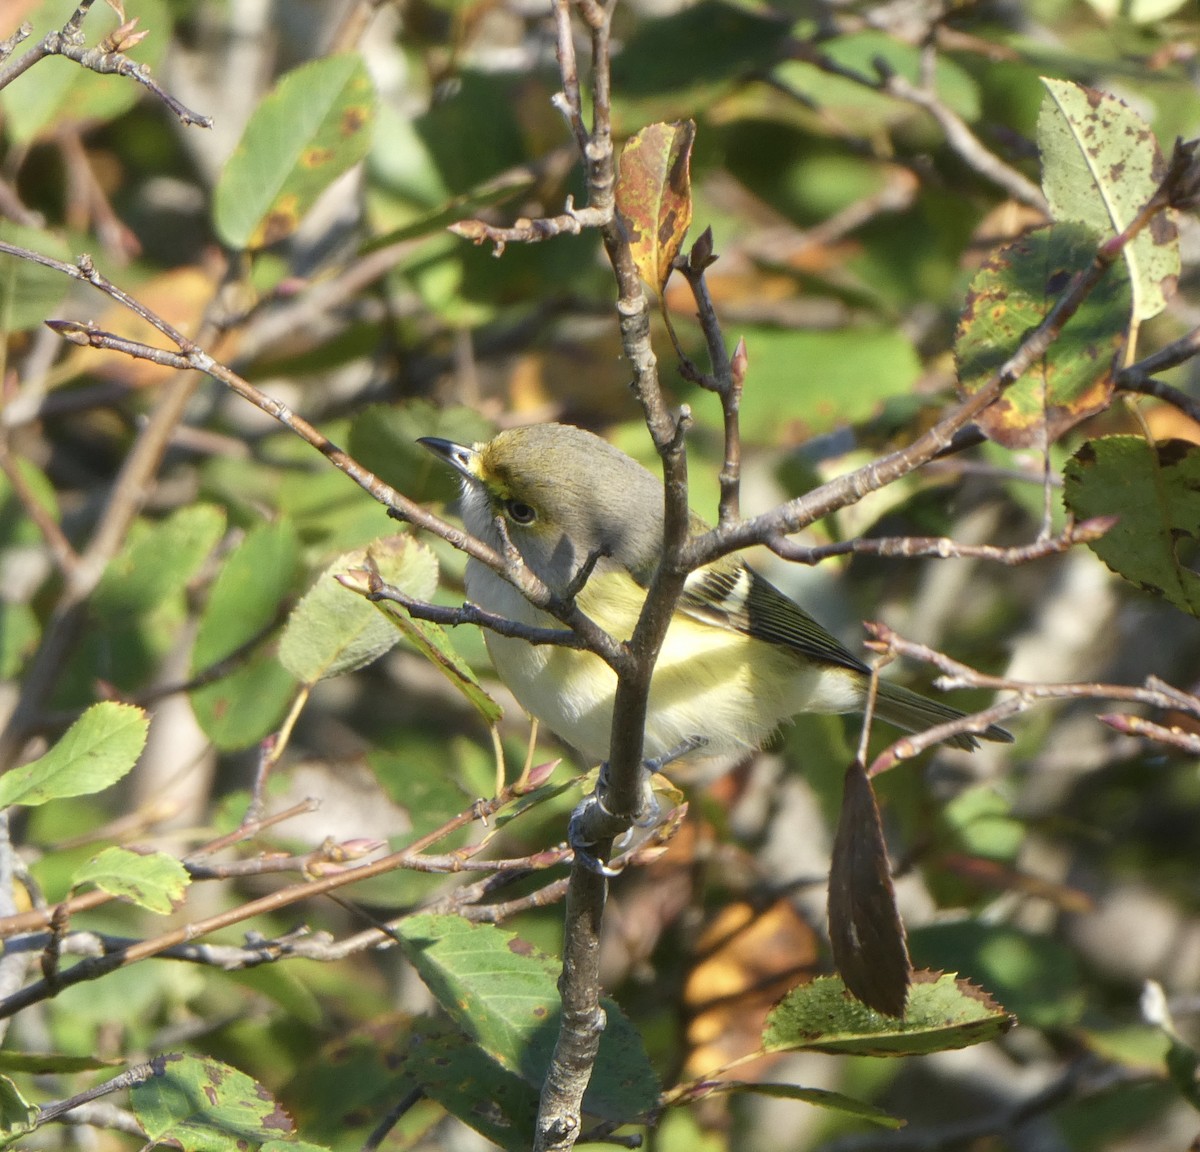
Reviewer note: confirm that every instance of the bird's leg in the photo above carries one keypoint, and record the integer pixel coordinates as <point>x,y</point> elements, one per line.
<point>649,809</point>
<point>593,812</point>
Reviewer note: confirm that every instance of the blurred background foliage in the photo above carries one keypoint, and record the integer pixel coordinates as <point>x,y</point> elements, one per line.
<point>1060,874</point>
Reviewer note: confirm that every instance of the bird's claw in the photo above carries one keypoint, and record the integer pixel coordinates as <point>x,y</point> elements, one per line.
<point>594,813</point>
<point>581,843</point>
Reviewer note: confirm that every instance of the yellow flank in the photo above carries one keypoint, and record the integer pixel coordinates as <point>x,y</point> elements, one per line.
<point>702,672</point>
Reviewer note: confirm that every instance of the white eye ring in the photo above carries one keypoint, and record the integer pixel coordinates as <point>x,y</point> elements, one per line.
<point>519,512</point>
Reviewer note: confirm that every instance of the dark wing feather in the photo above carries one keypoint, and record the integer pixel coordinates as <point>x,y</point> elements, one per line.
<point>731,595</point>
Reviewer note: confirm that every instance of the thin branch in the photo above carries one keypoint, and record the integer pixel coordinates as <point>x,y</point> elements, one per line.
<point>943,548</point>
<point>191,355</point>
<point>381,592</point>
<point>1154,694</point>
<point>571,222</point>
<point>38,918</point>
<point>107,58</point>
<point>1139,377</point>
<point>849,489</point>
<point>138,1074</point>
<point>1175,737</point>
<point>184,934</point>
<point>962,140</point>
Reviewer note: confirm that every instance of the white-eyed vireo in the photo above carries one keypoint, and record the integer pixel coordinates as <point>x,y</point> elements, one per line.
<point>739,657</point>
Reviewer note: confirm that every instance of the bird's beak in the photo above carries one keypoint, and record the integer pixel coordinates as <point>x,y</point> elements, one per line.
<point>462,459</point>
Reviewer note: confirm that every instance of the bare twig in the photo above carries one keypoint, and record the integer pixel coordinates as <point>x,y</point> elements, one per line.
<point>466,614</point>
<point>106,58</point>
<point>141,950</point>
<point>192,356</point>
<point>571,222</point>
<point>941,547</point>
<point>1175,737</point>
<point>962,139</point>
<point>138,1074</point>
<point>1155,694</point>
<point>849,489</point>
<point>1139,377</point>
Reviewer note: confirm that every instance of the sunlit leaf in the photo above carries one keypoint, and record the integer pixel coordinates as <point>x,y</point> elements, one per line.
<point>155,881</point>
<point>1100,165</point>
<point>201,1105</point>
<point>1010,295</point>
<point>1036,976</point>
<point>311,128</point>
<point>504,994</point>
<point>333,630</point>
<point>943,1012</point>
<point>654,196</point>
<point>96,751</point>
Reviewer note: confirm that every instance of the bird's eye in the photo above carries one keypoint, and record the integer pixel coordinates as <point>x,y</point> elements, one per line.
<point>519,512</point>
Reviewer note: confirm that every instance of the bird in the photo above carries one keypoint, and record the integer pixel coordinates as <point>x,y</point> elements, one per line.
<point>739,658</point>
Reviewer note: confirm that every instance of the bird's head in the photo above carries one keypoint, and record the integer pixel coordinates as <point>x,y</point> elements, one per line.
<point>562,496</point>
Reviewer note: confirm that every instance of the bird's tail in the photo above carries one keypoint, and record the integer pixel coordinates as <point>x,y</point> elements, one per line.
<point>915,713</point>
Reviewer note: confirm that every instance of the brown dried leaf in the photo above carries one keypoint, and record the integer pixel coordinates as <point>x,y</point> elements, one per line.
<point>654,196</point>
<point>864,923</point>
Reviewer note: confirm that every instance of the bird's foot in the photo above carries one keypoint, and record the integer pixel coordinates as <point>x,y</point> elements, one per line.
<point>593,815</point>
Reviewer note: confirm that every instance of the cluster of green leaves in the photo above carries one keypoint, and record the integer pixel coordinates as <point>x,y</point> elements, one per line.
<point>242,569</point>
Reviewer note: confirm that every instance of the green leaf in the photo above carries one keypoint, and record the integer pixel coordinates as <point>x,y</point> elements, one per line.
<point>96,751</point>
<point>1037,977</point>
<point>1155,490</point>
<point>313,126</point>
<point>159,558</point>
<point>202,1105</point>
<point>334,630</point>
<point>30,293</point>
<point>17,1115</point>
<point>454,1071</point>
<point>1100,165</point>
<point>1011,294</point>
<point>845,379</point>
<point>247,594</point>
<point>943,1013</point>
<point>240,709</point>
<point>154,881</point>
<point>820,1097</point>
<point>503,993</point>
<point>654,196</point>
<point>433,643</point>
